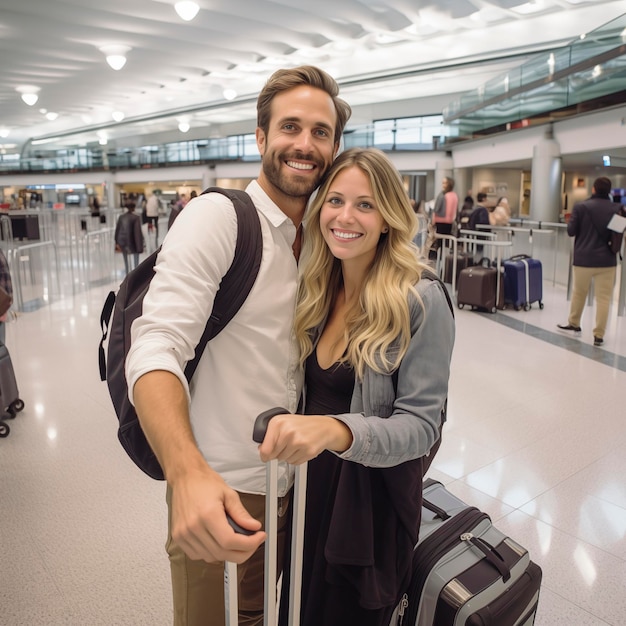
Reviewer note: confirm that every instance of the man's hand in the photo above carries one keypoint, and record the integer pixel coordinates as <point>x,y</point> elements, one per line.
<point>297,439</point>
<point>200,501</point>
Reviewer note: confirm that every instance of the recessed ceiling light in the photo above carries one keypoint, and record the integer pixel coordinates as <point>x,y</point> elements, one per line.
<point>115,55</point>
<point>230,94</point>
<point>183,127</point>
<point>187,10</point>
<point>29,94</point>
<point>4,132</point>
<point>118,116</point>
<point>51,115</point>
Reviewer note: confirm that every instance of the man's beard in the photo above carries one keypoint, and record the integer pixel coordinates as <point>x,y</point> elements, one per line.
<point>290,183</point>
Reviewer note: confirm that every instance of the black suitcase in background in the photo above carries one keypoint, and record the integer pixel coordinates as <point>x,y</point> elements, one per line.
<point>463,260</point>
<point>466,572</point>
<point>10,402</point>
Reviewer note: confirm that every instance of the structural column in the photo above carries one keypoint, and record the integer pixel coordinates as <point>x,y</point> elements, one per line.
<point>546,175</point>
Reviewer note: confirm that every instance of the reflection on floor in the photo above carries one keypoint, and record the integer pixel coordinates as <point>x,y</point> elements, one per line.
<point>536,437</point>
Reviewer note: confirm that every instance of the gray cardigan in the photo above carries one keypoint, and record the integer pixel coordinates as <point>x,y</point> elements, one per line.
<point>390,427</point>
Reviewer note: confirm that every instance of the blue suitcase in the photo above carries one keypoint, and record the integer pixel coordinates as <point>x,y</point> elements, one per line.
<point>523,282</point>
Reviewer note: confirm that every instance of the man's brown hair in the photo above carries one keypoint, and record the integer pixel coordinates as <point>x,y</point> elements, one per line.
<point>285,79</point>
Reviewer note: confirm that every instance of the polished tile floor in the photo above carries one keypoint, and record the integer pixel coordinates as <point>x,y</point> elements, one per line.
<point>536,437</point>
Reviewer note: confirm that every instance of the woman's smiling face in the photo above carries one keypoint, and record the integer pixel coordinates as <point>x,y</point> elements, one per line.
<point>349,219</point>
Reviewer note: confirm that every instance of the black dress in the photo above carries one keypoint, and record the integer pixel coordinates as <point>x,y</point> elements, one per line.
<point>328,597</point>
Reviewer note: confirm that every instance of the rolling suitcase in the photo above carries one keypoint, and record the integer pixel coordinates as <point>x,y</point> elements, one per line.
<point>478,285</point>
<point>463,260</point>
<point>10,402</point>
<point>466,572</point>
<point>523,282</point>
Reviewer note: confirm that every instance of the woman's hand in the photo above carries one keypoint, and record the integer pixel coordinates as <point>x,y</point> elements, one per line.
<point>297,439</point>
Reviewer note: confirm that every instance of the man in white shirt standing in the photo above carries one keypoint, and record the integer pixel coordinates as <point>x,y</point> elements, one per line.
<point>201,432</point>
<point>152,213</point>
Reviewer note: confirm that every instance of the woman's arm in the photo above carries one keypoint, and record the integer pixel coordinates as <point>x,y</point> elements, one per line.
<point>398,425</point>
<point>388,426</point>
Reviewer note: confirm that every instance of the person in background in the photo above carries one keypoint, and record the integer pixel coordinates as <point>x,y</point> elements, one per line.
<point>593,259</point>
<point>445,212</point>
<point>466,211</point>
<point>501,213</point>
<point>376,340</point>
<point>128,237</point>
<point>152,217</point>
<point>201,432</point>
<point>7,285</point>
<point>95,207</point>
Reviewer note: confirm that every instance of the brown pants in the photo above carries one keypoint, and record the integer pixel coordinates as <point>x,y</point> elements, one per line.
<point>603,281</point>
<point>198,586</point>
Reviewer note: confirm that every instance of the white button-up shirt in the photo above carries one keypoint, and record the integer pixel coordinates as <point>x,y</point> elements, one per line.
<point>252,365</point>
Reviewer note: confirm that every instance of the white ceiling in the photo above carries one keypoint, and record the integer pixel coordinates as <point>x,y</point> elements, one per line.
<point>435,48</point>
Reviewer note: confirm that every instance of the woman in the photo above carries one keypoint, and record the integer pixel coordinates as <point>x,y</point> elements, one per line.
<point>376,342</point>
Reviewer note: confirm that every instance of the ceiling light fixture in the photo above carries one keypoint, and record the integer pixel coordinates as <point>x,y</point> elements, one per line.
<point>183,127</point>
<point>4,132</point>
<point>51,115</point>
<point>115,55</point>
<point>29,94</point>
<point>118,116</point>
<point>532,6</point>
<point>187,10</point>
<point>230,94</point>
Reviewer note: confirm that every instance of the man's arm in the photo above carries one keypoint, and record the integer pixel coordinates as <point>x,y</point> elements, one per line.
<point>200,497</point>
<point>574,221</point>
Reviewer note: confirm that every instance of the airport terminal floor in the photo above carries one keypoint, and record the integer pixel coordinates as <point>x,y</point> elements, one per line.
<point>536,437</point>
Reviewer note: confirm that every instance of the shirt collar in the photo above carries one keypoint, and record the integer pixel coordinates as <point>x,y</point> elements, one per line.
<point>264,204</point>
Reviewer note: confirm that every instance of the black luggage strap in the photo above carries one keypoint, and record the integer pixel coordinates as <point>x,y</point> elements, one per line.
<point>442,514</point>
<point>491,554</point>
<point>105,318</point>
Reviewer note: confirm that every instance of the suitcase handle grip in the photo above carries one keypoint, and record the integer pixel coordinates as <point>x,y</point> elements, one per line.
<point>258,434</point>
<point>262,421</point>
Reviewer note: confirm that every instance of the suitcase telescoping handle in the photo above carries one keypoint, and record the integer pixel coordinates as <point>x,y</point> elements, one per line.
<point>258,434</point>
<point>270,614</point>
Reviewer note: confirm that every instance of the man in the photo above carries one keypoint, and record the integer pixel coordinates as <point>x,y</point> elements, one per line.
<point>480,214</point>
<point>152,215</point>
<point>128,237</point>
<point>593,259</point>
<point>202,433</point>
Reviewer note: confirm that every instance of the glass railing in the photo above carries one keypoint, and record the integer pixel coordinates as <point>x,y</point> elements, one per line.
<point>588,69</point>
<point>399,134</point>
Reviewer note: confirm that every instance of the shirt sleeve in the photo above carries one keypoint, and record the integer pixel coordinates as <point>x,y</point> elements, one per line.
<point>196,254</point>
<point>574,221</point>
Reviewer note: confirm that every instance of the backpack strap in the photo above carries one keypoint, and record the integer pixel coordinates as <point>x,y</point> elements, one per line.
<point>240,277</point>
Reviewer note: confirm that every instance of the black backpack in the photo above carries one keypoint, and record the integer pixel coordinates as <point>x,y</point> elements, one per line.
<point>126,306</point>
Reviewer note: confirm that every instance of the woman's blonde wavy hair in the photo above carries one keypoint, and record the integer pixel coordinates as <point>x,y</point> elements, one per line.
<point>382,315</point>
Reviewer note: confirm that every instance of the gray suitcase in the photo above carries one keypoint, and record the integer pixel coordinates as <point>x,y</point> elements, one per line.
<point>466,572</point>
<point>10,402</point>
